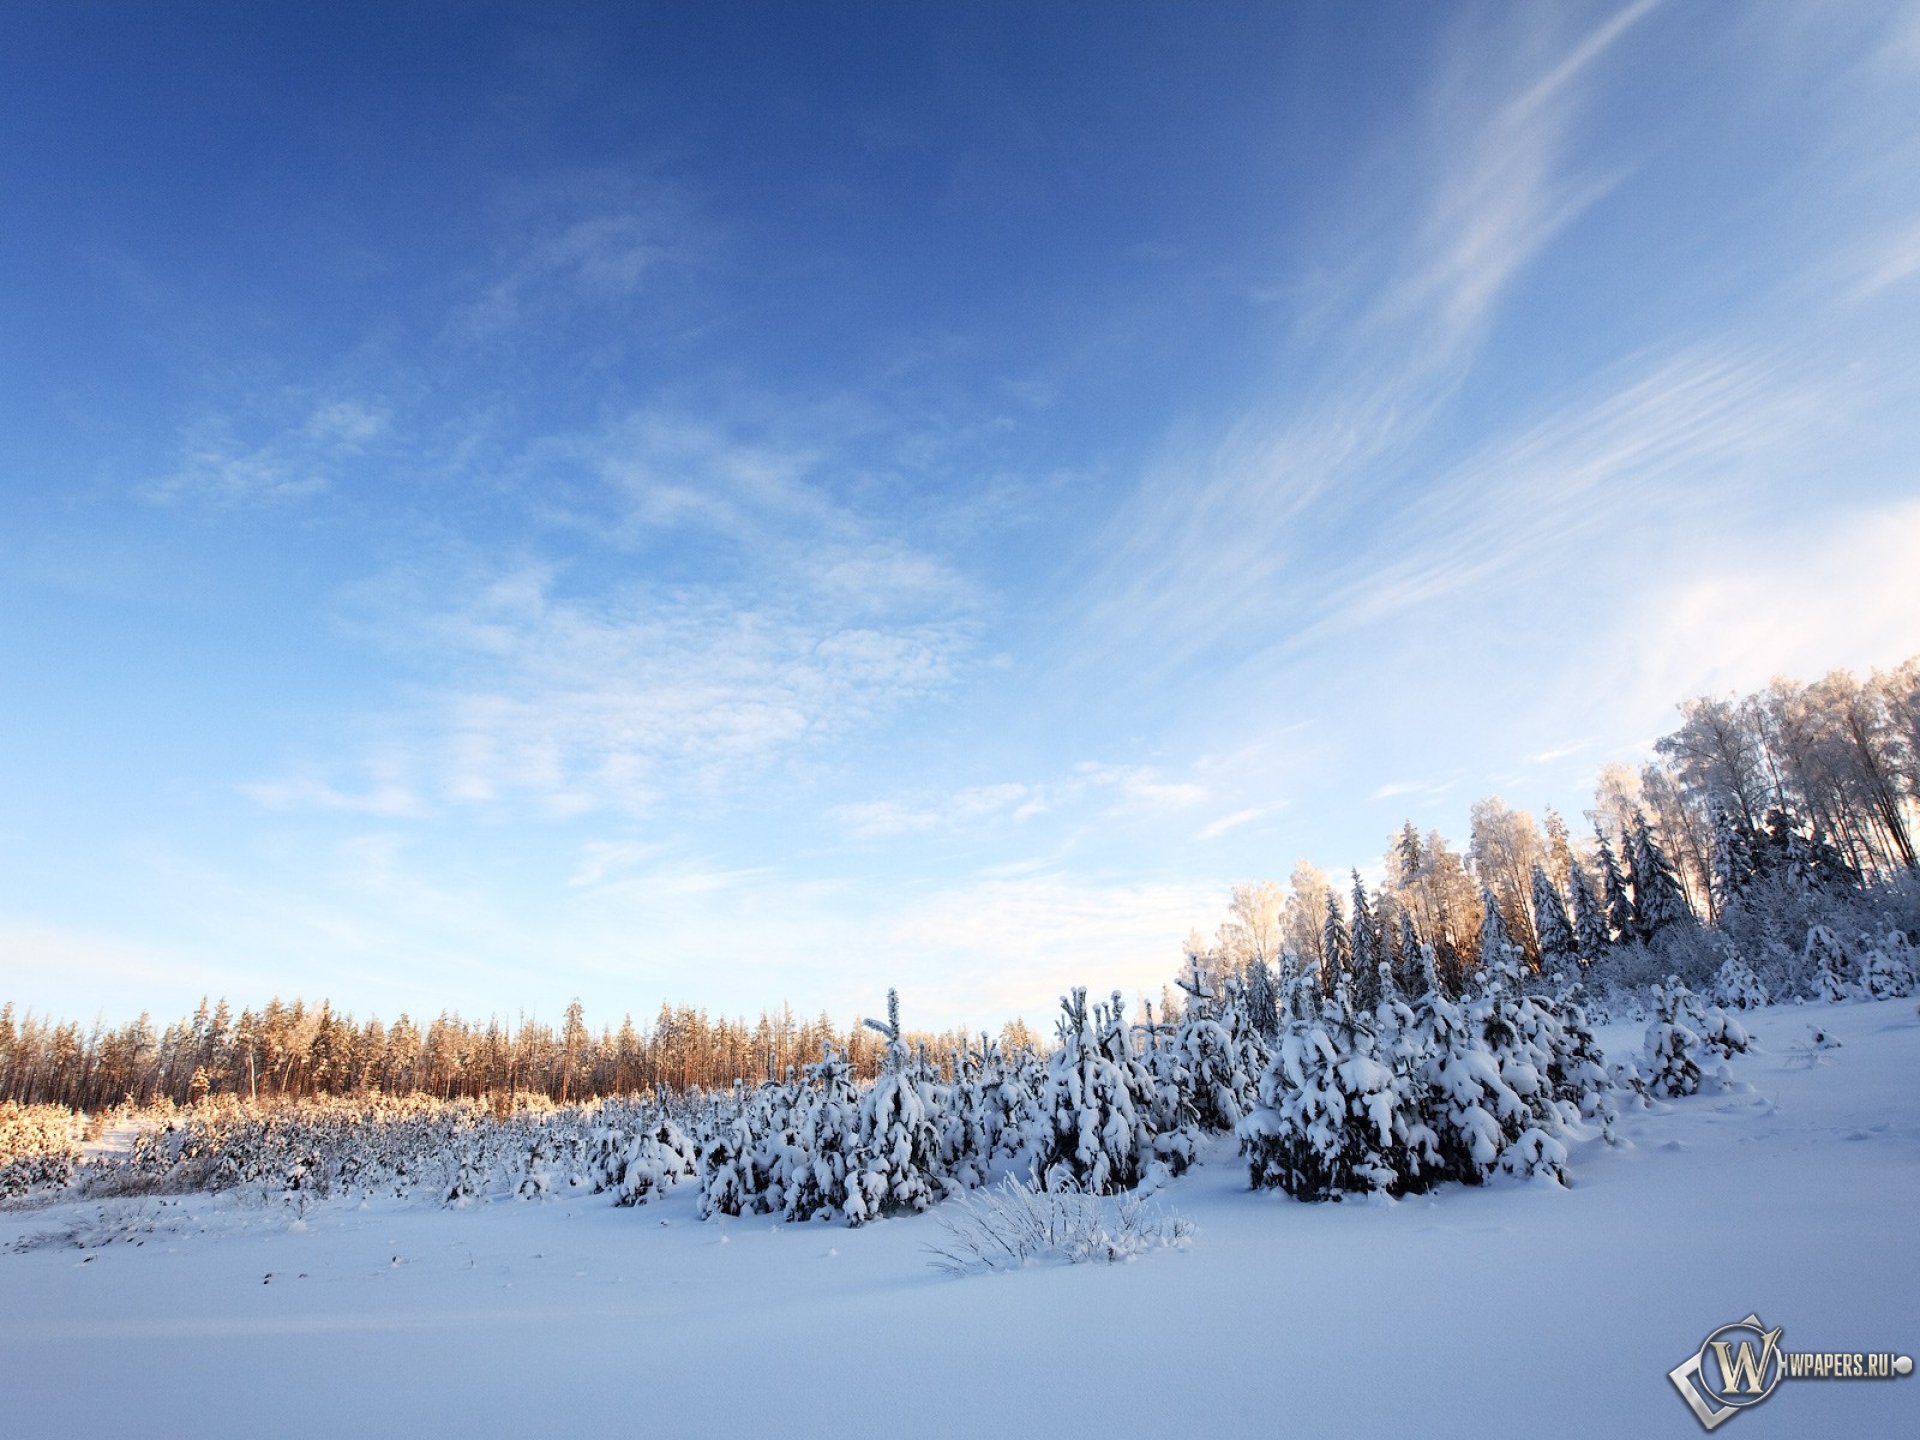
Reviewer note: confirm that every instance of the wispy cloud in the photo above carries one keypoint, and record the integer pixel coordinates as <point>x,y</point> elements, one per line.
<point>570,703</point>
<point>577,242</point>
<point>1559,752</point>
<point>964,807</point>
<point>1217,532</point>
<point>1398,787</point>
<point>584,703</point>
<point>391,799</point>
<point>1634,458</point>
<point>1089,789</point>
<point>216,466</point>
<point>1887,261</point>
<point>1498,188</point>
<point>655,470</point>
<point>1228,823</point>
<point>602,859</point>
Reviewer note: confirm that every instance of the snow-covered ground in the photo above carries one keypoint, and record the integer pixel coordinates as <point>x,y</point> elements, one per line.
<point>1519,1309</point>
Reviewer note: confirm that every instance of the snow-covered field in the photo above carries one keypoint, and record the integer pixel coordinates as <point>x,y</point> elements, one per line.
<point>1518,1309</point>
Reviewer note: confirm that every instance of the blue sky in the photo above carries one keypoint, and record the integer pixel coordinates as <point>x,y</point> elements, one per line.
<point>754,503</point>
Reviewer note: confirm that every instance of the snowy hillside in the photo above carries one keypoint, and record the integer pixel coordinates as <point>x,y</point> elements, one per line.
<point>1516,1308</point>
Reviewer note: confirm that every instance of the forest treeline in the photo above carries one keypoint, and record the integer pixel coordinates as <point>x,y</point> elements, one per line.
<point>299,1051</point>
<point>1756,821</point>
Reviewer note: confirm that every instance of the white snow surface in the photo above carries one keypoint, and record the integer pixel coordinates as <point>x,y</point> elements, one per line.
<point>1517,1309</point>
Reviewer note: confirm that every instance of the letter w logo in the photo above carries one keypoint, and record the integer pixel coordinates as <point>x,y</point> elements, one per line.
<point>1745,1377</point>
<point>1741,1372</point>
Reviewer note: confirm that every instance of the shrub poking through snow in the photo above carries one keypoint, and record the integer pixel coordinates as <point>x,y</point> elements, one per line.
<point>1012,1225</point>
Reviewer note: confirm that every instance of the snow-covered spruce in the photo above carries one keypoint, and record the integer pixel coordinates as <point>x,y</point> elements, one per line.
<point>1826,960</point>
<point>1338,1109</point>
<point>1407,1095</point>
<point>1090,1133</point>
<point>1682,1033</point>
<point>897,1158</point>
<point>1889,965</point>
<point>1212,1048</point>
<point>1737,986</point>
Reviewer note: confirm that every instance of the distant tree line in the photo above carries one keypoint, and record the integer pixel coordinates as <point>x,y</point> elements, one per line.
<point>298,1050</point>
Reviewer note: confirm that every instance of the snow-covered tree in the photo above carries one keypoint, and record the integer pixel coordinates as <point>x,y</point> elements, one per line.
<point>896,1161</point>
<point>1092,1136</point>
<point>1889,968</point>
<point>1671,1045</point>
<point>1659,900</point>
<point>1497,949</point>
<point>1590,930</point>
<point>825,1129</point>
<point>1409,962</point>
<point>1336,941</point>
<point>1735,984</point>
<point>1826,961</point>
<point>728,1184</point>
<point>1363,930</point>
<point>1613,890</point>
<point>1471,1109</point>
<point>1333,1119</point>
<point>653,1157</point>
<point>1559,949</point>
<point>1263,1005</point>
<point>1735,865</point>
<point>1211,1069</point>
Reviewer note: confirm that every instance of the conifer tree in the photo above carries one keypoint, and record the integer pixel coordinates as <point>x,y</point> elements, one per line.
<point>1473,1113</point>
<point>1496,941</point>
<point>1410,961</point>
<point>1092,1134</point>
<point>897,1162</point>
<point>1213,1065</point>
<point>826,1122</point>
<point>1559,948</point>
<point>1364,933</point>
<point>1734,862</point>
<point>1825,959</point>
<point>1408,852</point>
<point>1336,942</point>
<point>1333,1119</point>
<point>1559,849</point>
<point>1672,1066</point>
<point>1196,985</point>
<point>1263,1010</point>
<point>1659,900</point>
<point>1735,983</point>
<point>1613,891</point>
<point>1590,931</point>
